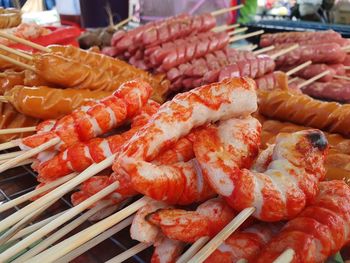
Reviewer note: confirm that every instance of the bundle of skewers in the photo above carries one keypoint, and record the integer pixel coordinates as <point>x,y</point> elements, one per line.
<point>200,144</point>
<point>327,51</point>
<point>199,178</point>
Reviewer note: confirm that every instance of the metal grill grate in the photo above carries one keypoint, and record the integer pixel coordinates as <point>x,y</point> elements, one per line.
<point>21,180</point>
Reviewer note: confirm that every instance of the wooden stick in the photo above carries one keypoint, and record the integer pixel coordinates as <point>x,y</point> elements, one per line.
<point>284,51</point>
<point>17,130</point>
<point>56,193</point>
<point>341,77</point>
<point>3,99</point>
<point>26,242</point>
<point>263,50</point>
<point>21,224</point>
<point>226,10</point>
<point>292,80</point>
<point>285,257</point>
<point>297,68</point>
<point>28,161</point>
<point>236,38</point>
<point>10,155</point>
<point>80,238</point>
<point>16,52</point>
<point>8,145</point>
<point>36,192</point>
<point>61,232</point>
<point>195,247</point>
<point>237,31</point>
<point>34,227</point>
<point>32,152</point>
<point>347,67</point>
<point>129,253</point>
<point>314,78</point>
<point>24,41</point>
<point>97,240</point>
<point>123,22</point>
<point>222,235</point>
<point>346,48</point>
<point>17,63</point>
<point>225,27</point>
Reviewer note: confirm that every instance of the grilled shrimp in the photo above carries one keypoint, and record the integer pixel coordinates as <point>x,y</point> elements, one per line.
<point>182,182</point>
<point>282,190</point>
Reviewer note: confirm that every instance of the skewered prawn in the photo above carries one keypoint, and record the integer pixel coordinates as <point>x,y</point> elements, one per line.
<point>166,250</point>
<point>322,229</point>
<point>282,191</point>
<point>97,118</point>
<point>244,245</point>
<point>79,156</point>
<point>178,183</point>
<point>182,151</point>
<point>188,226</point>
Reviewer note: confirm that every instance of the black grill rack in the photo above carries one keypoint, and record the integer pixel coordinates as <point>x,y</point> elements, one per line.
<point>18,181</point>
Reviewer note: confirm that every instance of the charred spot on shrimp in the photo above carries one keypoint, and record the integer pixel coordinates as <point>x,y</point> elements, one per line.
<point>318,139</point>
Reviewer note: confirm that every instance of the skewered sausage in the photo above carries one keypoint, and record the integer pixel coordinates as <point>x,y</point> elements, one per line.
<point>10,118</point>
<point>304,110</point>
<point>299,37</point>
<point>9,17</point>
<point>48,103</point>
<point>121,70</point>
<point>317,53</point>
<point>9,79</point>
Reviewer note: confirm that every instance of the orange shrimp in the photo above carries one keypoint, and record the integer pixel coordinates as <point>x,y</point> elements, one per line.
<point>244,245</point>
<point>182,182</point>
<point>188,226</point>
<point>166,250</point>
<point>283,190</point>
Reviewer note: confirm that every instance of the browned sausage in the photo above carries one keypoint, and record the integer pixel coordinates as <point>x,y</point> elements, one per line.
<point>49,103</point>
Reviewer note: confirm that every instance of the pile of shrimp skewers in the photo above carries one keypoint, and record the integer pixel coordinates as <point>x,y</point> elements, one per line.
<point>204,143</point>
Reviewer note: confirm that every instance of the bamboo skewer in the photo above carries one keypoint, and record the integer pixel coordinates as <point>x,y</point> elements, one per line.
<point>21,224</point>
<point>236,38</point>
<point>194,248</point>
<point>285,257</point>
<point>341,77</point>
<point>3,99</point>
<point>292,80</point>
<point>263,50</point>
<point>300,67</point>
<point>309,81</point>
<point>122,23</point>
<point>56,193</point>
<point>30,229</point>
<point>222,235</point>
<point>225,27</point>
<point>8,145</point>
<point>226,10</point>
<point>28,161</point>
<point>24,41</point>
<point>129,253</point>
<point>17,63</point>
<point>96,240</point>
<point>17,130</point>
<point>237,31</point>
<point>10,155</point>
<point>16,52</point>
<point>346,48</point>
<point>36,192</point>
<point>347,67</point>
<point>60,249</point>
<point>61,232</point>
<point>284,51</point>
<point>26,242</point>
<point>26,155</point>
